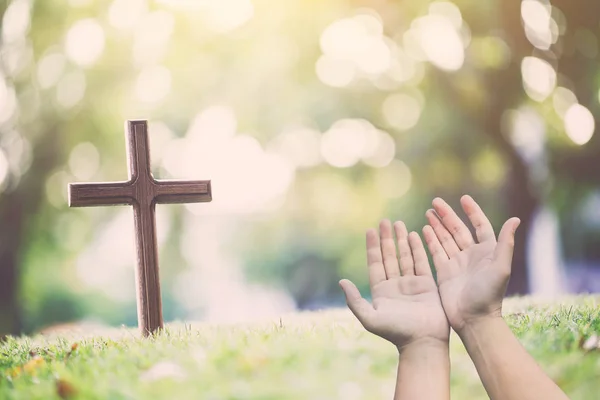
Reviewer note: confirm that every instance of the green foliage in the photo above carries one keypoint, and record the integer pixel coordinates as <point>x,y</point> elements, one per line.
<point>321,355</point>
<point>265,72</point>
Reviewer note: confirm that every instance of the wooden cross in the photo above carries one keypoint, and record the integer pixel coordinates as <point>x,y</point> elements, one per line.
<point>142,192</point>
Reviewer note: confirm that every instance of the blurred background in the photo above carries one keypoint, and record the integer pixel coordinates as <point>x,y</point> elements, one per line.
<point>313,119</point>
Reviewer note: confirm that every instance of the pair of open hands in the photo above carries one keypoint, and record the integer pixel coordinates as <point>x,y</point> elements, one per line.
<point>408,306</point>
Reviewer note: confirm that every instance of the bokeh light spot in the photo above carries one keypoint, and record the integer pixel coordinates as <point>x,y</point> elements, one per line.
<point>334,72</point>
<point>16,21</point>
<point>527,132</point>
<point>71,89</point>
<point>355,43</point>
<point>539,78</point>
<point>226,15</point>
<point>56,188</point>
<point>381,152</point>
<point>85,42</point>
<point>562,100</point>
<point>347,141</point>
<point>84,161</point>
<point>301,146</point>
<point>401,111</point>
<point>49,69</point>
<point>152,35</point>
<point>579,124</point>
<point>4,170</point>
<point>448,10</point>
<point>124,14</point>
<point>440,41</point>
<point>394,180</point>
<point>8,100</point>
<point>153,84</point>
<point>540,28</point>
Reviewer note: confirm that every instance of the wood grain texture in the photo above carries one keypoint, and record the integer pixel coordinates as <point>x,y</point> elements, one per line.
<point>142,192</point>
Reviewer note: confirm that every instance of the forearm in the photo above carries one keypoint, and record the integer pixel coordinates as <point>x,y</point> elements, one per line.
<point>507,371</point>
<point>423,372</point>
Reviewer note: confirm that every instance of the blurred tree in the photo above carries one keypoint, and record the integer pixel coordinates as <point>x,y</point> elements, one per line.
<point>270,75</point>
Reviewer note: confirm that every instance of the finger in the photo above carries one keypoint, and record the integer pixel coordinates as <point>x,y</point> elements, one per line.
<point>407,265</point>
<point>506,243</point>
<point>461,234</point>
<point>435,247</point>
<point>442,234</point>
<point>374,259</point>
<point>482,225</point>
<point>360,307</point>
<point>422,267</point>
<point>388,250</point>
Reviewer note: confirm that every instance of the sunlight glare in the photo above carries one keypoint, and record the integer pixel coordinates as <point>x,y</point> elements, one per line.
<point>84,42</point>
<point>8,100</point>
<point>540,28</point>
<point>80,3</point>
<point>448,10</point>
<point>401,111</point>
<point>535,14</point>
<point>153,84</point>
<point>18,152</point>
<point>402,68</point>
<point>71,89</point>
<point>84,161</point>
<point>350,390</point>
<point>579,124</point>
<point>215,272</point>
<point>4,170</point>
<point>16,21</point>
<point>152,34</point>
<point>342,146</point>
<point>375,57</point>
<point>124,14</point>
<point>49,69</point>
<point>440,41</point>
<point>226,15</point>
<point>105,263</point>
<point>301,146</point>
<point>539,78</point>
<point>335,72</point>
<point>527,132</point>
<point>339,38</point>
<point>381,152</point>
<point>394,180</point>
<point>562,100</point>
<point>162,135</point>
<point>248,178</point>
<point>215,123</point>
<point>56,192</point>
<point>351,44</point>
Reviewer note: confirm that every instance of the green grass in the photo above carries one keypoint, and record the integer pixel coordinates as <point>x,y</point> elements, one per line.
<point>323,355</point>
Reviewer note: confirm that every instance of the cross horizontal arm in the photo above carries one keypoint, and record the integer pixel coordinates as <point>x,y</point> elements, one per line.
<point>176,192</point>
<point>100,194</point>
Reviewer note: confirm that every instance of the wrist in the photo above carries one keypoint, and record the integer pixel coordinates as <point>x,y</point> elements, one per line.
<point>475,326</point>
<point>425,344</point>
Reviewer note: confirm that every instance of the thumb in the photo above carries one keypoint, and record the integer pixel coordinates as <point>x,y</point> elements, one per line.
<point>360,307</point>
<point>506,244</point>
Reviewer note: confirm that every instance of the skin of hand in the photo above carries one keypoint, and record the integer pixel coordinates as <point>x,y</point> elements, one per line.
<point>406,307</point>
<point>472,277</point>
<point>472,280</point>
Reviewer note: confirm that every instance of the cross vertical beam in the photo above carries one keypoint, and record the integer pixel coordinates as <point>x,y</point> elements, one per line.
<point>142,192</point>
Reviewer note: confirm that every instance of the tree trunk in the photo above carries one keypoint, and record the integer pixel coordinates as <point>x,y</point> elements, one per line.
<point>11,215</point>
<point>505,91</point>
<point>15,208</point>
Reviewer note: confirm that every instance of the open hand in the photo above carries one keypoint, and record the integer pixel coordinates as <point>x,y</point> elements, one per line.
<point>406,307</point>
<point>472,277</point>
